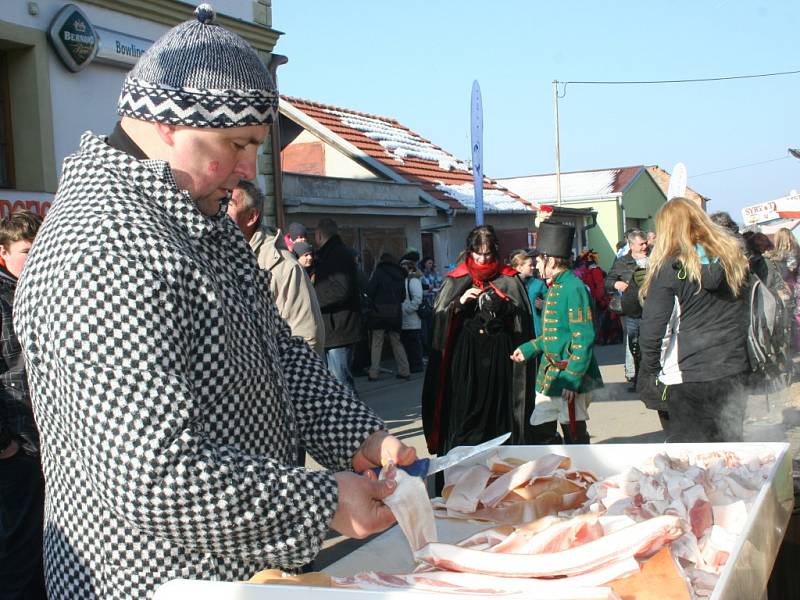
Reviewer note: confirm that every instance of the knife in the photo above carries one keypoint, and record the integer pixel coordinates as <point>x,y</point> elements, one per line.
<point>424,467</point>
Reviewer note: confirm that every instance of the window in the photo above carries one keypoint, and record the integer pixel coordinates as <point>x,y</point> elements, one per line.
<point>6,149</point>
<point>635,224</point>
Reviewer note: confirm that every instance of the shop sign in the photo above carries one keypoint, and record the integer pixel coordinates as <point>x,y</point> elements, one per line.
<point>760,213</point>
<point>73,37</point>
<point>120,49</point>
<point>12,201</point>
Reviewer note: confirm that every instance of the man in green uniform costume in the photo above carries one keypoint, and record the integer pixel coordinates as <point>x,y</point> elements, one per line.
<point>568,371</point>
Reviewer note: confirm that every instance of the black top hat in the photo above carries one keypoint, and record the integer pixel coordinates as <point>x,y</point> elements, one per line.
<point>555,239</point>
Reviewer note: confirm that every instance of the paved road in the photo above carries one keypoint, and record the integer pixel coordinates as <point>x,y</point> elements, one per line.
<point>616,416</point>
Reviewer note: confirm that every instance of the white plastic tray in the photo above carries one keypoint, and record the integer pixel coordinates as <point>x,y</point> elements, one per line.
<point>745,575</point>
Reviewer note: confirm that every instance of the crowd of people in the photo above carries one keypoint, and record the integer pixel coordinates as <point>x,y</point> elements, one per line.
<point>681,295</point>
<point>168,357</point>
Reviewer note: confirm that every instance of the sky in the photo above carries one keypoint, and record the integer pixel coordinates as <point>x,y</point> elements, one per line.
<point>415,61</point>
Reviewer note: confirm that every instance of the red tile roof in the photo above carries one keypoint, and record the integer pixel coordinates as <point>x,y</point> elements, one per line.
<point>426,163</point>
<point>625,176</point>
<point>662,178</point>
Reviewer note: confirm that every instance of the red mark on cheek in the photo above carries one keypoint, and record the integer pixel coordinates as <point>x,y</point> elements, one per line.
<point>213,166</point>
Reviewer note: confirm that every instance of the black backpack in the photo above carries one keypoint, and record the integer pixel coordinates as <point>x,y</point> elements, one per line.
<point>767,338</point>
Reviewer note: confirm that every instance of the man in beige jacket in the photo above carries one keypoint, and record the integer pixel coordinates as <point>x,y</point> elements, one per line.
<point>290,286</point>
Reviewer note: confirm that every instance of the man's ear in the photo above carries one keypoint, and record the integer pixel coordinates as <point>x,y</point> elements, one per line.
<point>255,215</point>
<point>166,133</point>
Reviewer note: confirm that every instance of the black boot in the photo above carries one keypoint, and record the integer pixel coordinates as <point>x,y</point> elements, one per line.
<point>546,433</point>
<point>581,431</point>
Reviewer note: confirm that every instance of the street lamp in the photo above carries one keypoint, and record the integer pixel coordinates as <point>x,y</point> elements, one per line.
<point>795,152</point>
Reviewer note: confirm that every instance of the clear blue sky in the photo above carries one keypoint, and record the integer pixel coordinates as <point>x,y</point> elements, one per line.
<point>415,61</point>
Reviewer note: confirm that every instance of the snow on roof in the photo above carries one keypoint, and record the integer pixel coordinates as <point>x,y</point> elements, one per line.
<point>493,200</point>
<point>578,184</point>
<point>408,154</point>
<point>400,143</point>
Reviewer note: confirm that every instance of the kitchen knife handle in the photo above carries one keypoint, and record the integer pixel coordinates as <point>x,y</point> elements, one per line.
<point>419,468</point>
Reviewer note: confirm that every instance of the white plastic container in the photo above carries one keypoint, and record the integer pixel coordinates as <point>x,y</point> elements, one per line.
<point>745,576</point>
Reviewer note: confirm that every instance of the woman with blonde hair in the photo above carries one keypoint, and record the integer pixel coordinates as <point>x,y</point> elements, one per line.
<point>693,336</point>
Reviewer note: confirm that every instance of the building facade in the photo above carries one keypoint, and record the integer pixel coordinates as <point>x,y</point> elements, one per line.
<point>62,65</point>
<point>389,188</point>
<point>623,198</point>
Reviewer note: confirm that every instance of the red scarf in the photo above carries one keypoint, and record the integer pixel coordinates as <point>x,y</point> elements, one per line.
<point>483,274</point>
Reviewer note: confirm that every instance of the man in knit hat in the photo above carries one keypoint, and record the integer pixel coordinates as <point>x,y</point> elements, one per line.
<point>169,393</point>
<point>296,232</point>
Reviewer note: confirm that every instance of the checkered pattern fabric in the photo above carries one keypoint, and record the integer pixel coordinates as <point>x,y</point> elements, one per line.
<point>169,393</point>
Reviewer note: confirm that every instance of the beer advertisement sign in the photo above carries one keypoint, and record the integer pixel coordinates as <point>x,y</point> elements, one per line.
<point>73,37</point>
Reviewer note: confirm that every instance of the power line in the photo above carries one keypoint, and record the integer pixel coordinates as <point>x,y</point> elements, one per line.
<point>763,162</point>
<point>660,81</point>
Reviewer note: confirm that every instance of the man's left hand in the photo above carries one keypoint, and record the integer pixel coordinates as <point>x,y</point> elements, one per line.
<point>380,448</point>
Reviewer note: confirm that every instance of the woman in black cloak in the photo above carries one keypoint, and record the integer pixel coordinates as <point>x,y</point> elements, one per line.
<point>473,391</point>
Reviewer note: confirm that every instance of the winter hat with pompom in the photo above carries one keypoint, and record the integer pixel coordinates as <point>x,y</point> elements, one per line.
<point>200,74</point>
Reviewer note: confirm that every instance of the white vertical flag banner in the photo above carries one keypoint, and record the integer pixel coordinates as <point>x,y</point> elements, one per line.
<point>677,182</point>
<point>476,117</point>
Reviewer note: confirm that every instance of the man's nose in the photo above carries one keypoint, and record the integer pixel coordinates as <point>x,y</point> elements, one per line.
<point>246,166</point>
<point>246,169</point>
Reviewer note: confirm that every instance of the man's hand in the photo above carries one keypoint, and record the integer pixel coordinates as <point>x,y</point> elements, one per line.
<point>361,511</point>
<point>10,451</point>
<point>518,356</point>
<point>470,295</point>
<point>381,448</point>
<point>538,303</point>
<point>568,396</point>
<point>621,286</point>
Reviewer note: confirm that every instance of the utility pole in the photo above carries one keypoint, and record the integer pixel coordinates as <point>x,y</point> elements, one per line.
<point>558,145</point>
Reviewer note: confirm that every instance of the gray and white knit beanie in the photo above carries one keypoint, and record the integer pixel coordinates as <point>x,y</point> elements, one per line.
<point>201,75</point>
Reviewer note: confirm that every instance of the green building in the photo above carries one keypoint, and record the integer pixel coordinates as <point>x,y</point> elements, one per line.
<point>623,198</point>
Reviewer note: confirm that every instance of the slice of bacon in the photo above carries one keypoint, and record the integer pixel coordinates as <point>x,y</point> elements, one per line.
<point>516,513</point>
<point>559,485</point>
<point>464,495</point>
<point>541,467</point>
<point>637,540</point>
<point>477,584</point>
<point>556,538</point>
<point>489,537</point>
<point>411,507</point>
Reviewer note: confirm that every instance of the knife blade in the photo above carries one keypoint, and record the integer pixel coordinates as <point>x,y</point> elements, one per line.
<point>425,467</point>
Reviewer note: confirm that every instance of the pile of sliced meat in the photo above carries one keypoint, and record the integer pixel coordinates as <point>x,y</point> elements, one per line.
<point>551,558</point>
<point>711,493</point>
<point>511,491</point>
<point>561,533</point>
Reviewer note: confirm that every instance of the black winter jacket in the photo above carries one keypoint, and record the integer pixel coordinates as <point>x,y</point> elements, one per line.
<point>16,414</point>
<point>336,284</point>
<point>703,333</point>
<point>621,270</point>
<point>387,290</point>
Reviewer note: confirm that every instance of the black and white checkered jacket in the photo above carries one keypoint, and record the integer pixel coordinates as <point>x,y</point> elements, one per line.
<point>169,394</point>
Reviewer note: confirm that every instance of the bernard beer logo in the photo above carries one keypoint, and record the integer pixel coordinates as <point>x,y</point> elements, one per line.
<point>73,37</point>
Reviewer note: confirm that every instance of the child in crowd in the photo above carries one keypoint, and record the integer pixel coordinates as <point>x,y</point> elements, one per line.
<point>21,481</point>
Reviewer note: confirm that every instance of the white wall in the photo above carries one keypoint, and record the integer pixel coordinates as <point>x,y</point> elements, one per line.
<point>88,100</point>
